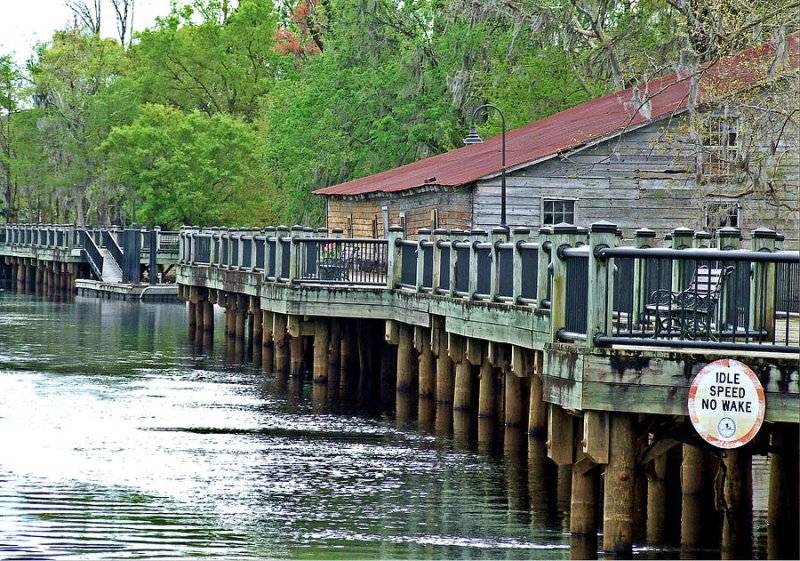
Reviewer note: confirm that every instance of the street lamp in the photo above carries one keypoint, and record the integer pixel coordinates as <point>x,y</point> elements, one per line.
<point>474,138</point>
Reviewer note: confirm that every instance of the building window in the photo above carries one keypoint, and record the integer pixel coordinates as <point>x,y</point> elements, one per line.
<point>556,211</point>
<point>719,214</point>
<point>720,137</point>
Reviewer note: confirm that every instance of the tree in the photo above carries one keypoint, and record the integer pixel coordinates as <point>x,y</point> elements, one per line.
<point>71,76</point>
<point>187,168</point>
<point>223,63</point>
<point>10,94</point>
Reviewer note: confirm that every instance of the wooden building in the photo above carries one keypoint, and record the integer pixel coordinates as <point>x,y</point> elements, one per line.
<point>635,157</point>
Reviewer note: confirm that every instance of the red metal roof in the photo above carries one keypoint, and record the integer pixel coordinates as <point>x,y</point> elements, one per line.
<point>572,128</point>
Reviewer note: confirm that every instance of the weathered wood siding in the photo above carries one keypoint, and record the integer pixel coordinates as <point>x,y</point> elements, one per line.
<point>647,177</point>
<point>454,207</point>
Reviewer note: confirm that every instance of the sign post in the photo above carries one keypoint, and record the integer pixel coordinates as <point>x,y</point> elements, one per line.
<point>726,403</point>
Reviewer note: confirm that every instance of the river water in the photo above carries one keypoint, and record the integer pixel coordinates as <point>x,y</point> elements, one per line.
<point>118,439</point>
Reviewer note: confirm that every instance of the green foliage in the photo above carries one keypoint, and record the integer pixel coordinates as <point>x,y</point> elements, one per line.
<point>235,112</point>
<point>182,167</point>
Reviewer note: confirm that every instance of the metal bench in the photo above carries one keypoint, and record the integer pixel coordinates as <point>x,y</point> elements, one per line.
<point>689,313</point>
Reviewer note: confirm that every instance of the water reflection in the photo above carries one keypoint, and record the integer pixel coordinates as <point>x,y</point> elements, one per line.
<point>123,438</point>
<point>130,440</point>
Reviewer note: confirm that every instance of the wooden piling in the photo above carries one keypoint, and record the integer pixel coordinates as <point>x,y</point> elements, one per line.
<point>192,311</point>
<point>513,400</point>
<point>692,491</point>
<point>334,356</point>
<point>208,316</point>
<point>656,500</point>
<point>462,397</point>
<point>281,345</point>
<point>267,342</point>
<point>537,415</point>
<point>445,380</point>
<point>583,500</point>
<point>295,356</point>
<point>427,368</point>
<point>737,491</point>
<point>486,390</point>
<point>619,484</point>
<point>405,362</point>
<point>322,337</point>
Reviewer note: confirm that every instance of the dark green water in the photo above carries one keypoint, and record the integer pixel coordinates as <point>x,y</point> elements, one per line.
<point>119,440</point>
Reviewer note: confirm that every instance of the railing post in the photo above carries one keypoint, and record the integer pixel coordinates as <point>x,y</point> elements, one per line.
<point>518,236</point>
<point>476,237</point>
<point>280,232</point>
<point>702,239</point>
<point>423,234</point>
<point>192,246</point>
<point>682,238</point>
<point>762,285</point>
<point>563,236</point>
<point>729,238</point>
<point>394,258</point>
<point>643,238</point>
<point>182,244</point>
<point>599,304</point>
<point>543,264</point>
<point>455,236</point>
<point>436,273</point>
<point>498,235</point>
<point>294,252</point>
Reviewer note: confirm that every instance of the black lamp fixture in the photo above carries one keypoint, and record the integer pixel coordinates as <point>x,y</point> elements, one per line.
<point>474,138</point>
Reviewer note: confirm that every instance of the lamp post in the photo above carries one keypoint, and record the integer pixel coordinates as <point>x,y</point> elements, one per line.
<point>474,138</point>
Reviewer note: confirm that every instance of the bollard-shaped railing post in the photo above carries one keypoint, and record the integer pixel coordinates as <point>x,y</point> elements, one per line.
<point>192,246</point>
<point>476,237</point>
<point>518,236</point>
<point>269,252</point>
<point>455,236</point>
<point>295,233</point>
<point>762,286</point>
<point>423,235</point>
<point>181,245</point>
<point>730,238</point>
<point>563,237</point>
<point>394,259</point>
<point>643,238</point>
<point>702,239</point>
<point>543,265</point>
<point>281,232</point>
<point>439,234</point>
<point>599,304</point>
<point>682,238</point>
<point>498,236</point>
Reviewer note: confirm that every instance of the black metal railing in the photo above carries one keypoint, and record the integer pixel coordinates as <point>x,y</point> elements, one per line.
<point>577,289</point>
<point>408,256</point>
<point>712,298</point>
<point>529,257</point>
<point>350,261</point>
<point>93,254</point>
<point>110,244</point>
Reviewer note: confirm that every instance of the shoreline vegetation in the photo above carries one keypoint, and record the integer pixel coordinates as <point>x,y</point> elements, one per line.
<point>232,112</point>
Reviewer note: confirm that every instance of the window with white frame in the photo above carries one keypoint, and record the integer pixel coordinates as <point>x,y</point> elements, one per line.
<point>720,141</point>
<point>719,214</point>
<point>556,211</point>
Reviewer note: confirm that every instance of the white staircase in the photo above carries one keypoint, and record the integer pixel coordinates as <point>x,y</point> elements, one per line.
<point>111,271</point>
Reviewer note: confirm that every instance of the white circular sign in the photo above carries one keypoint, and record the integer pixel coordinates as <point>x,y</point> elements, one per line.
<point>726,403</point>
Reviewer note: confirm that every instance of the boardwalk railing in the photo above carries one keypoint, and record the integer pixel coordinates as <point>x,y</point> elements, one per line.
<point>91,240</point>
<point>596,289</point>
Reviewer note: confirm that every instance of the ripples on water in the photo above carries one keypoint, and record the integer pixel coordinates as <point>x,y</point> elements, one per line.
<point>118,441</point>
